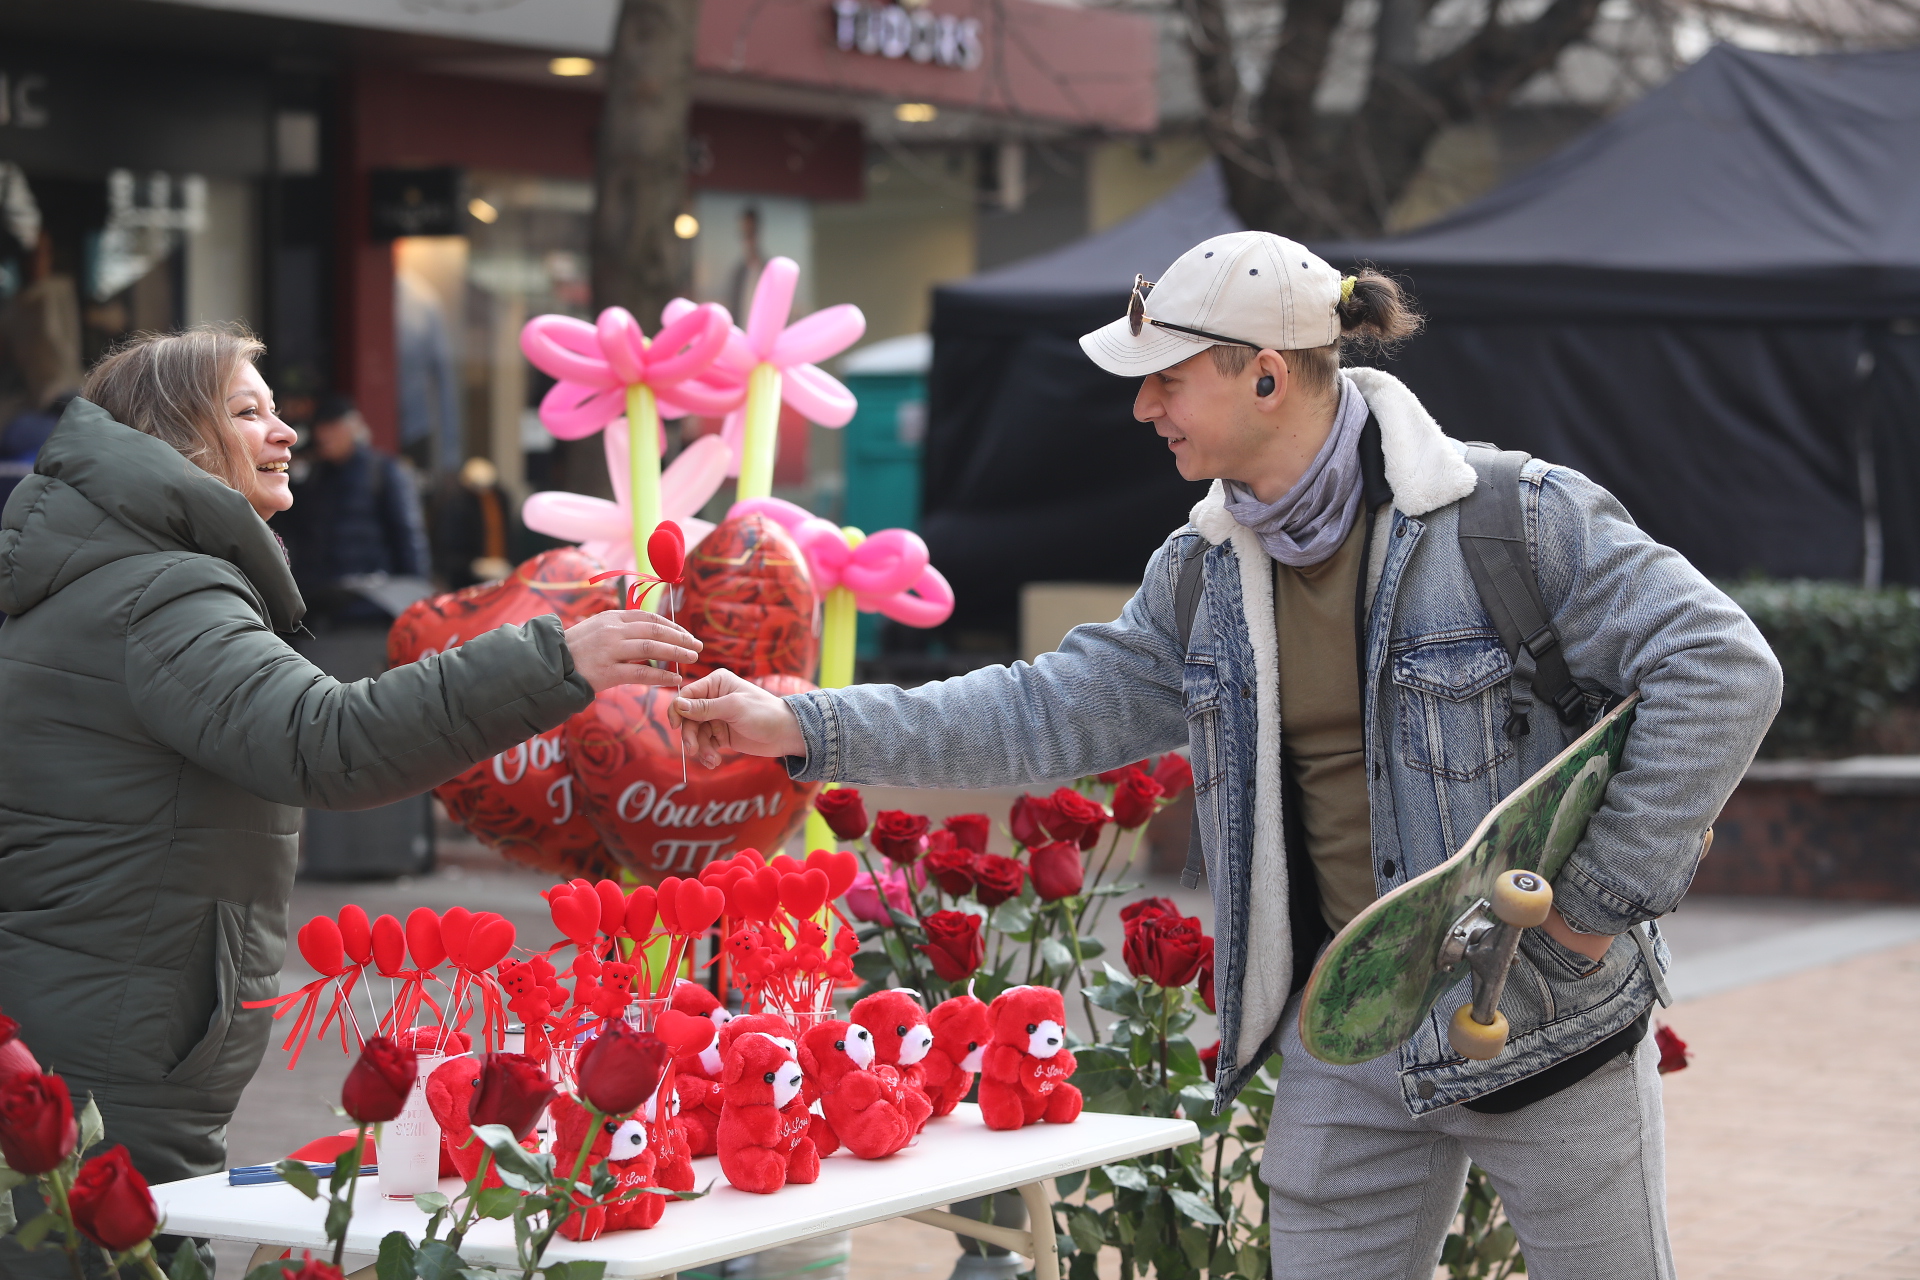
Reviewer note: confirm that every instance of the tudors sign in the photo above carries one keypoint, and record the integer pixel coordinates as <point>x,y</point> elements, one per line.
<point>891,31</point>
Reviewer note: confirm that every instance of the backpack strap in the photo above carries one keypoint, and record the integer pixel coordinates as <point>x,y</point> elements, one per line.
<point>1493,541</point>
<point>1186,602</point>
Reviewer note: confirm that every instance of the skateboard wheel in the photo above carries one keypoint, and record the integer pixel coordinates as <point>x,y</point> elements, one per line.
<point>1472,1040</point>
<point>1522,899</point>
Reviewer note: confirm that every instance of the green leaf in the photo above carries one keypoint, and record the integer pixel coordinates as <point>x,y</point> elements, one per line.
<point>339,1214</point>
<point>92,1128</point>
<point>1011,917</point>
<point>1129,1176</point>
<point>186,1263</point>
<point>274,1270</point>
<point>496,1202</point>
<point>1056,957</point>
<point>518,1167</point>
<point>430,1202</point>
<point>36,1229</point>
<point>396,1257</point>
<point>1068,1183</point>
<point>988,986</point>
<point>436,1260</point>
<point>1196,1209</point>
<point>1084,1227</point>
<point>1091,948</point>
<point>578,1269</point>
<point>872,965</point>
<point>298,1176</point>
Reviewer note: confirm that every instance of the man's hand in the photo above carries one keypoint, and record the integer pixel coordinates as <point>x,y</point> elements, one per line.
<point>1591,945</point>
<point>614,647</point>
<point>723,712</point>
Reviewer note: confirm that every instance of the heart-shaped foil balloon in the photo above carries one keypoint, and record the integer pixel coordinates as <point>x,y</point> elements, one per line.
<point>627,776</point>
<point>749,598</point>
<point>522,804</point>
<point>552,582</point>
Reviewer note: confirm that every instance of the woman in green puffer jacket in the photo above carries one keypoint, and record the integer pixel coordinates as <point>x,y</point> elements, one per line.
<point>158,737</point>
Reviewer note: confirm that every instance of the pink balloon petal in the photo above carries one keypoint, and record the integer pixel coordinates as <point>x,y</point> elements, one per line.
<point>574,517</point>
<point>886,564</point>
<point>623,344</point>
<point>772,304</point>
<point>695,476</point>
<point>572,411</point>
<point>819,336</point>
<point>931,606</point>
<point>686,347</point>
<point>734,432</point>
<point>709,399</point>
<point>818,395</point>
<point>567,349</point>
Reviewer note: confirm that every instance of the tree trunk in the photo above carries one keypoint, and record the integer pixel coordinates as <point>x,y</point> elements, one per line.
<point>640,185</point>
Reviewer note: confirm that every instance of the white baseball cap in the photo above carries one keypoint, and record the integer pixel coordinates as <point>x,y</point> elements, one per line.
<point>1252,288</point>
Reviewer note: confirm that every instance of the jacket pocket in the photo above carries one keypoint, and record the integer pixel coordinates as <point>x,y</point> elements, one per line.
<point>1202,698</point>
<point>1549,982</point>
<point>1453,705</point>
<point>222,972</point>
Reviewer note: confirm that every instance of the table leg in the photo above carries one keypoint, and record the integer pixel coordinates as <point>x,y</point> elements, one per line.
<point>1046,1250</point>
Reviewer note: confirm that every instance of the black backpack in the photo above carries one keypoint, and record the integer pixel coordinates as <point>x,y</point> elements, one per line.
<point>1493,538</point>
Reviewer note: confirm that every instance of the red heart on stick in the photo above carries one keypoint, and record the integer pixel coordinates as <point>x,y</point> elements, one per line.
<point>804,894</point>
<point>840,869</point>
<point>320,946</point>
<point>684,1033</point>
<point>576,913</point>
<point>749,598</point>
<point>356,934</point>
<point>667,551</point>
<point>751,898</point>
<point>785,865</point>
<point>389,946</point>
<point>627,772</point>
<point>700,905</point>
<point>643,908</point>
<point>423,939</point>
<point>613,906</point>
<point>492,937</point>
<point>456,927</point>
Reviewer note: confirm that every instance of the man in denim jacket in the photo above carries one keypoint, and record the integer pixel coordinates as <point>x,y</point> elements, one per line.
<point>1336,598</point>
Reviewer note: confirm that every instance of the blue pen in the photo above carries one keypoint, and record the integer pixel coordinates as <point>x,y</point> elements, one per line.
<point>259,1175</point>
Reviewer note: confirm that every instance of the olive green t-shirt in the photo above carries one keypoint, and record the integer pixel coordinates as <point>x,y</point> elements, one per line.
<point>1320,724</point>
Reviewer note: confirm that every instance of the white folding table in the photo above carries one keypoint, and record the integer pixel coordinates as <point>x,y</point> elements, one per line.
<point>957,1158</point>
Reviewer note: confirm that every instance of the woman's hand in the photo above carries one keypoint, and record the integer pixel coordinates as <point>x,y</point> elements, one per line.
<point>614,647</point>
<point>723,712</point>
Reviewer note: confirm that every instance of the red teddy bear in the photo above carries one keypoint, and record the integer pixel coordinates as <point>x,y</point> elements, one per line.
<point>623,1145</point>
<point>1024,1072</point>
<point>870,1112</point>
<point>763,1124</point>
<point>667,1136</point>
<point>961,1029</point>
<point>701,1096</point>
<point>901,1039</point>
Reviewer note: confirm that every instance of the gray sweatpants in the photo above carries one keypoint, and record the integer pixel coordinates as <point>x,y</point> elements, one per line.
<point>1363,1191</point>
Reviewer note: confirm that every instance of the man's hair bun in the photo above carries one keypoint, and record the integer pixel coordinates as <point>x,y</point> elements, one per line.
<point>1375,313</point>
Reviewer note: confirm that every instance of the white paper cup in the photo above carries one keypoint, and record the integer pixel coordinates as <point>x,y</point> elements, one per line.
<point>409,1151</point>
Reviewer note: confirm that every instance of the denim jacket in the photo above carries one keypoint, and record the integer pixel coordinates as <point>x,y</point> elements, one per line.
<point>1631,615</point>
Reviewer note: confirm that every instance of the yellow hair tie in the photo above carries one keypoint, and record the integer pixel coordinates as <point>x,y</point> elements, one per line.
<point>1346,288</point>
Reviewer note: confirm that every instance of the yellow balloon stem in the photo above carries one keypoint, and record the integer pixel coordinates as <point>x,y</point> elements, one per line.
<point>762,434</point>
<point>837,634</point>
<point>643,469</point>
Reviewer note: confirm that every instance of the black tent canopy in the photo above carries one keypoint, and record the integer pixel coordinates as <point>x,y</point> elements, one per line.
<point>1709,303</point>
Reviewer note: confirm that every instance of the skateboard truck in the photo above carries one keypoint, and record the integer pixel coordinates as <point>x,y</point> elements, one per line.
<point>1486,936</point>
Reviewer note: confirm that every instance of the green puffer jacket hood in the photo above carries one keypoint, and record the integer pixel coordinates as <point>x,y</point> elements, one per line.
<point>158,740</point>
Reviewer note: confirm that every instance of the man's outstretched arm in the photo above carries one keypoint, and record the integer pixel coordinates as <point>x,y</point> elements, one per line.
<point>1110,695</point>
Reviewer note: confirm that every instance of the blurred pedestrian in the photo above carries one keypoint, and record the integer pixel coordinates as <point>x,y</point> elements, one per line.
<point>158,735</point>
<point>474,529</point>
<point>355,524</point>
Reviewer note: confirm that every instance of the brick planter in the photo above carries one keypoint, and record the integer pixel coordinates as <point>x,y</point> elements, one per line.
<point>1820,829</point>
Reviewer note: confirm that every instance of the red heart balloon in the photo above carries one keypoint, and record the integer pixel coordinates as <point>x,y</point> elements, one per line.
<point>667,898</point>
<point>423,939</point>
<point>785,865</point>
<point>700,905</point>
<point>627,770</point>
<point>749,599</point>
<point>840,869</point>
<point>389,946</point>
<point>552,582</point>
<point>576,913</point>
<point>456,926</point>
<point>492,937</point>
<point>643,908</point>
<point>684,1033</point>
<point>804,894</point>
<point>356,934</point>
<point>320,947</point>
<point>522,805</point>
<point>750,898</point>
<point>613,906</point>
<point>667,551</point>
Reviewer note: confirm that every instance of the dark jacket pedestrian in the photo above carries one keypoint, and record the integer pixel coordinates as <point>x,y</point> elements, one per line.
<point>158,739</point>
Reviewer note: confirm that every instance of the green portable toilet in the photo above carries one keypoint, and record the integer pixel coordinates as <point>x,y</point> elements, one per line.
<point>882,443</point>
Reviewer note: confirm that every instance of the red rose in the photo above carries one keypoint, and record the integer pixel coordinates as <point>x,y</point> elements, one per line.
<point>950,866</point>
<point>1134,799</point>
<point>1166,950</point>
<point>996,879</point>
<point>1029,820</point>
<point>1210,1059</point>
<point>1206,978</point>
<point>311,1268</point>
<point>376,1090</point>
<point>511,1090</point>
<point>1673,1050</point>
<point>845,812</point>
<point>1173,773</point>
<point>14,1057</point>
<point>111,1204</point>
<point>953,944</point>
<point>1112,776</point>
<point>37,1128</point>
<point>970,831</point>
<point>1079,819</point>
<point>1149,907</point>
<point>1057,871</point>
<point>900,835</point>
<point>620,1068</point>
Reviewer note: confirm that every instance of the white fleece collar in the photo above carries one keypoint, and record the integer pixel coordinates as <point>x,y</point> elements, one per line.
<point>1424,468</point>
<point>1425,471</point>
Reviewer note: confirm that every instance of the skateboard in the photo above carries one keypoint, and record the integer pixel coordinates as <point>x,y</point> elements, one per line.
<point>1382,973</point>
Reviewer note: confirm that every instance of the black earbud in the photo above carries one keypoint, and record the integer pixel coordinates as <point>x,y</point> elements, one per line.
<point>1264,387</point>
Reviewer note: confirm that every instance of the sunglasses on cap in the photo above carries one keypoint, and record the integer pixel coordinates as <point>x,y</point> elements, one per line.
<point>1137,316</point>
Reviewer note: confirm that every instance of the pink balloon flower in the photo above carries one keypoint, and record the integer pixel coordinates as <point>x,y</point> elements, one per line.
<point>604,529</point>
<point>596,363</point>
<point>889,573</point>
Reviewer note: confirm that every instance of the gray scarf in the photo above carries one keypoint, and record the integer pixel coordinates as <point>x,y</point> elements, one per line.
<point>1310,521</point>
